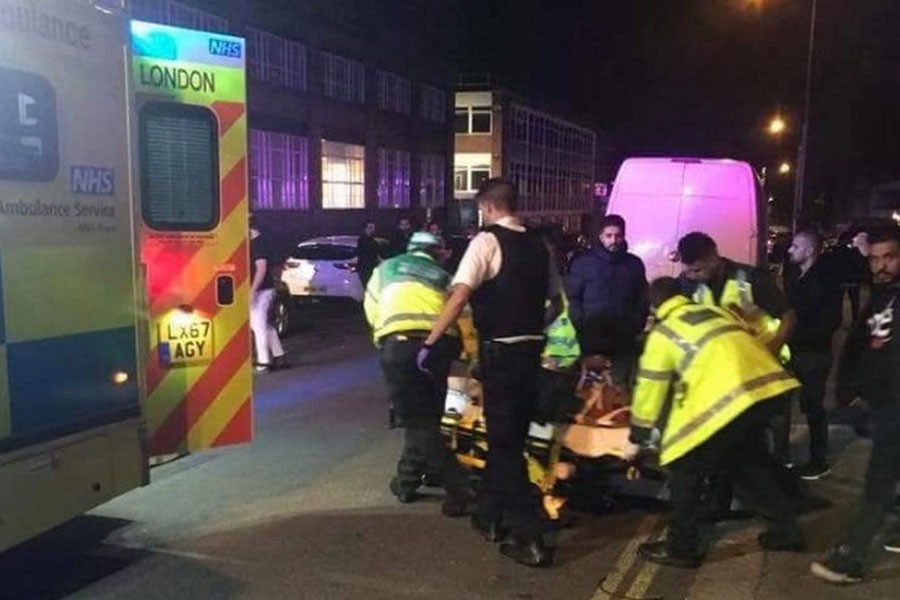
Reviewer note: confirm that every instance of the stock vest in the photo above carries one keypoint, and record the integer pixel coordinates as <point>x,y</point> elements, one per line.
<point>738,291</point>
<point>406,294</point>
<point>707,368</point>
<point>562,348</point>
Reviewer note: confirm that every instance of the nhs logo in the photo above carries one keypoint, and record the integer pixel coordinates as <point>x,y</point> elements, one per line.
<point>93,181</point>
<point>223,47</point>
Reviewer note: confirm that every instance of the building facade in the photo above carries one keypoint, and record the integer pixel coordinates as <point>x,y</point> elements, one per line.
<point>349,116</point>
<point>553,159</point>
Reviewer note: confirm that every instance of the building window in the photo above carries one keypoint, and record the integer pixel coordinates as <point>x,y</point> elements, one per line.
<point>279,171</point>
<point>275,59</point>
<point>432,181</point>
<point>167,12</point>
<point>551,160</point>
<point>343,175</point>
<point>473,119</point>
<point>344,78</point>
<point>393,178</point>
<point>434,104</point>
<point>468,179</point>
<point>394,93</point>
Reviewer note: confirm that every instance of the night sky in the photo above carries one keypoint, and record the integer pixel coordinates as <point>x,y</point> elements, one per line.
<point>702,77</point>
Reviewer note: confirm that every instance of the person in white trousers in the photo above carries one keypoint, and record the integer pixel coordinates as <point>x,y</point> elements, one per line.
<point>262,293</point>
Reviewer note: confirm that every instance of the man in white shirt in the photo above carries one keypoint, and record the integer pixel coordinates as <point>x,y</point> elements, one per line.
<point>508,274</point>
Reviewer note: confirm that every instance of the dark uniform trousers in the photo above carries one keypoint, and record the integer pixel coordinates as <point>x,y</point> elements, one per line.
<point>419,399</point>
<point>812,369</point>
<point>739,451</point>
<point>509,379</point>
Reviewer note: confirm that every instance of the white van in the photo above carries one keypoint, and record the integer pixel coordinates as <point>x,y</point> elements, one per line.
<point>663,199</point>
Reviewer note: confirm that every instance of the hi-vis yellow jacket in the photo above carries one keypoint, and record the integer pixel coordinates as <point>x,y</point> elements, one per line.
<point>738,292</point>
<point>561,350</point>
<point>406,293</point>
<point>708,366</point>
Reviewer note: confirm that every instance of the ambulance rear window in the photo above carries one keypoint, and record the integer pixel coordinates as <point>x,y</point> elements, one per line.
<point>179,167</point>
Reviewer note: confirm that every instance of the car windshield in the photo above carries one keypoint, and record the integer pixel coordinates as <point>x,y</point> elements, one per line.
<point>323,252</point>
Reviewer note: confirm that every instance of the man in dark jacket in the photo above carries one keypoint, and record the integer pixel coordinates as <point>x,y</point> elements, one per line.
<point>607,289</point>
<point>369,252</point>
<point>813,288</point>
<point>870,366</point>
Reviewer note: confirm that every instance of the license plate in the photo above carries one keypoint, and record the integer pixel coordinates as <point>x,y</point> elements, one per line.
<point>185,339</point>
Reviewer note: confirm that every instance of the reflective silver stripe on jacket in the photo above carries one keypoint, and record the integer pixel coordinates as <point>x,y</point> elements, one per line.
<point>652,375</point>
<point>723,402</point>
<point>691,349</point>
<point>431,318</point>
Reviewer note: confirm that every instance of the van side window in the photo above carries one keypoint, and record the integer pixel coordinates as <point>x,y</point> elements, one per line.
<point>179,167</point>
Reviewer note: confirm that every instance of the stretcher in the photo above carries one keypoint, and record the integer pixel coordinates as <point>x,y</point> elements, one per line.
<point>581,442</point>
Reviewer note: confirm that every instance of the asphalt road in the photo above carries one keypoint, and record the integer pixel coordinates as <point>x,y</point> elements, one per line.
<point>304,512</point>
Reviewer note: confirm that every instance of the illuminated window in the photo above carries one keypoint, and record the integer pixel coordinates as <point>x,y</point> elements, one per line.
<point>394,93</point>
<point>467,179</point>
<point>393,178</point>
<point>167,12</point>
<point>276,59</point>
<point>434,104</point>
<point>343,175</point>
<point>432,181</point>
<point>344,79</point>
<point>279,171</point>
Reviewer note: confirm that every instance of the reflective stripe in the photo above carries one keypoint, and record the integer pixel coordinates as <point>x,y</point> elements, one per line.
<point>675,337</point>
<point>561,340</point>
<point>652,375</point>
<point>705,339</point>
<point>405,278</point>
<point>692,348</point>
<point>696,317</point>
<point>431,318</point>
<point>638,422</point>
<point>722,403</point>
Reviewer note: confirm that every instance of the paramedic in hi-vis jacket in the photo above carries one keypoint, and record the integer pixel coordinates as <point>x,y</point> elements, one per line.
<point>713,385</point>
<point>752,294</point>
<point>404,297</point>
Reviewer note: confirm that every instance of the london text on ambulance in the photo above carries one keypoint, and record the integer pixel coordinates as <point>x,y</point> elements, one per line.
<point>176,78</point>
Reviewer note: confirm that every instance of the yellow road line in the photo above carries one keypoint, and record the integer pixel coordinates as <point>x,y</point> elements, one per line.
<point>644,578</point>
<point>626,559</point>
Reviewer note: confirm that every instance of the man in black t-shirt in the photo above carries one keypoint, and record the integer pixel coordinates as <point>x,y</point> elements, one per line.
<point>814,290</point>
<point>262,294</point>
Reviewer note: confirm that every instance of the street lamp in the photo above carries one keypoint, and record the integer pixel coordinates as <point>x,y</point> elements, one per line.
<point>784,168</point>
<point>777,125</point>
<point>804,129</point>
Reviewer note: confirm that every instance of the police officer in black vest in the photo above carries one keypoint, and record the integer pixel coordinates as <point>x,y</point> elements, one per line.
<point>508,275</point>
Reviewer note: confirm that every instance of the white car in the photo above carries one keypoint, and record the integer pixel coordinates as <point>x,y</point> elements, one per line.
<point>324,266</point>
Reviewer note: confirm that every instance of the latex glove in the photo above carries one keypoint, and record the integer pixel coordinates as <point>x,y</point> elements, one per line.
<point>630,451</point>
<point>423,359</point>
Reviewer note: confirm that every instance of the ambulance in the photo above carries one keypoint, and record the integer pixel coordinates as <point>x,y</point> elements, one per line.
<point>123,254</point>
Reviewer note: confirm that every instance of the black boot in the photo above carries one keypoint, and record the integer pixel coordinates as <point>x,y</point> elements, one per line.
<point>404,494</point>
<point>492,531</point>
<point>530,554</point>
<point>660,553</point>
